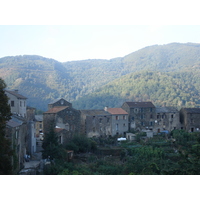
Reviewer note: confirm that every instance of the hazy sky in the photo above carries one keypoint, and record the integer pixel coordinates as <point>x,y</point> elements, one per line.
<point>94,29</point>
<point>78,42</point>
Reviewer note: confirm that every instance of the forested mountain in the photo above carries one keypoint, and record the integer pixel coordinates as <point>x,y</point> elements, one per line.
<point>165,74</point>
<point>176,89</point>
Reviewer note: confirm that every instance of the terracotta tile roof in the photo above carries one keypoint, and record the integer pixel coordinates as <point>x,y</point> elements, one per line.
<point>57,130</point>
<point>140,104</point>
<point>117,111</point>
<point>94,112</point>
<point>19,96</point>
<point>56,109</point>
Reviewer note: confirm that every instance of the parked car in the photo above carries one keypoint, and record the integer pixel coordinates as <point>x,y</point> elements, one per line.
<point>41,136</point>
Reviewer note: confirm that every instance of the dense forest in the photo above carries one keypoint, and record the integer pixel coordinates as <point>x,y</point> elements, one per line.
<point>165,74</point>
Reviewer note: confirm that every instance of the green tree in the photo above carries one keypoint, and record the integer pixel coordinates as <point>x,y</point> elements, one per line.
<point>5,149</point>
<point>51,148</point>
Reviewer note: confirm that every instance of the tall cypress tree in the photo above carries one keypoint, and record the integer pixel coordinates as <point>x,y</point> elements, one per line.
<point>5,149</point>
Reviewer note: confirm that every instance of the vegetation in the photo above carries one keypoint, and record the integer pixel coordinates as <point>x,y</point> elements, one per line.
<point>164,74</point>
<point>178,89</point>
<point>156,156</point>
<point>5,147</point>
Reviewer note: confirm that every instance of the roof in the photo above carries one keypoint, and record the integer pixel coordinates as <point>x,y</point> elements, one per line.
<point>56,100</point>
<point>14,93</point>
<point>39,118</point>
<point>12,123</point>
<point>58,130</point>
<point>166,110</point>
<point>56,109</point>
<point>192,110</point>
<point>94,112</point>
<point>140,104</point>
<point>117,111</point>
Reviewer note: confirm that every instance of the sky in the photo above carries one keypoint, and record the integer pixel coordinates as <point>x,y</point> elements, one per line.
<point>80,42</point>
<point>68,30</point>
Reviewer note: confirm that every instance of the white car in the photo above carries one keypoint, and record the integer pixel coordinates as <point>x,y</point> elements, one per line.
<point>41,136</point>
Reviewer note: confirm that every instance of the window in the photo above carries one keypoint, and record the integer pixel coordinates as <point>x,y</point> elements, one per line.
<point>12,103</point>
<point>20,103</point>
<point>108,119</point>
<point>117,127</point>
<point>67,127</point>
<point>60,139</point>
<point>117,117</point>
<point>151,109</point>
<point>172,116</point>
<point>24,103</point>
<point>142,116</point>
<point>151,116</point>
<point>100,120</point>
<point>124,117</point>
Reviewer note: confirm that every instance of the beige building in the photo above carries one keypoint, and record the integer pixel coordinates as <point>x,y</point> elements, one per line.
<point>38,125</point>
<point>119,121</point>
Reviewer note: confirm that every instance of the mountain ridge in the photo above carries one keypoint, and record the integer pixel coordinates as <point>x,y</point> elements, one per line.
<point>44,79</point>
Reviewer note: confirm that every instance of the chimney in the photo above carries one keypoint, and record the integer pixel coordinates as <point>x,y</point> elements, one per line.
<point>106,108</point>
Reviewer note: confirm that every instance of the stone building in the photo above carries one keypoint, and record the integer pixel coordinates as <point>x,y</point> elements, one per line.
<point>142,115</point>
<point>16,132</point>
<point>31,132</point>
<point>119,121</point>
<point>17,102</point>
<point>63,116</point>
<point>190,119</point>
<point>38,125</point>
<point>96,123</point>
<point>167,119</point>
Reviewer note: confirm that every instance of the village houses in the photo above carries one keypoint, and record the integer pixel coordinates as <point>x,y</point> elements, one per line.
<point>20,129</point>
<point>63,119</point>
<point>66,121</point>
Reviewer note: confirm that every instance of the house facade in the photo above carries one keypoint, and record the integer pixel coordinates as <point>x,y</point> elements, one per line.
<point>31,131</point>
<point>62,115</point>
<point>119,121</point>
<point>190,119</point>
<point>167,119</point>
<point>142,115</point>
<point>96,123</point>
<point>16,132</point>
<point>38,125</point>
<point>17,102</point>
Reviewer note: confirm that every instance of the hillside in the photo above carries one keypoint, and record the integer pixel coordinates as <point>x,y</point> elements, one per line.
<point>94,83</point>
<point>176,89</point>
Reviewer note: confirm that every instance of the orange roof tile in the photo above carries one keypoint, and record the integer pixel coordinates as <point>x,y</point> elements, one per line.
<point>56,109</point>
<point>117,111</point>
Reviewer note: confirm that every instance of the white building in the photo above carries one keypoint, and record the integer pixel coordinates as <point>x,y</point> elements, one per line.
<point>17,102</point>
